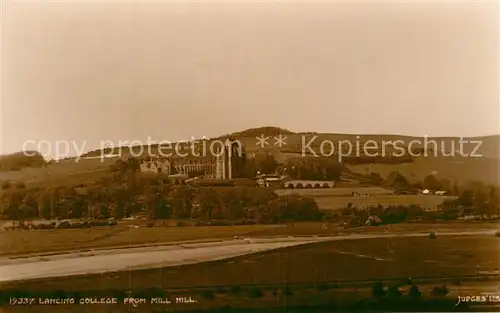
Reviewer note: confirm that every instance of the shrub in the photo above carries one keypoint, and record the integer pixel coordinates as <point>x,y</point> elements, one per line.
<point>235,290</point>
<point>5,185</point>
<point>255,293</point>
<point>21,185</point>
<point>432,235</point>
<point>220,290</point>
<point>208,294</point>
<point>414,292</point>
<point>393,292</point>
<point>497,234</point>
<point>440,291</point>
<point>378,290</point>
<point>151,224</point>
<point>322,287</point>
<point>317,185</point>
<point>299,185</point>
<point>326,185</point>
<point>308,186</point>
<point>290,186</point>
<point>180,224</point>
<point>287,291</point>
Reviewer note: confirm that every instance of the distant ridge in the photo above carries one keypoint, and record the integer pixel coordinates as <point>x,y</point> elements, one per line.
<point>264,130</point>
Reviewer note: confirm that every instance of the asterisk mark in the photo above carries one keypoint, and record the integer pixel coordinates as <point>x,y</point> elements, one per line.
<point>280,141</point>
<point>262,141</point>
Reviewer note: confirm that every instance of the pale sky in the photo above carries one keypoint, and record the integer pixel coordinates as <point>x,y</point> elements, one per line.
<point>121,70</point>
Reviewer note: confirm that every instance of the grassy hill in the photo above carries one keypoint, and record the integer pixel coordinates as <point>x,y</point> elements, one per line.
<point>460,168</point>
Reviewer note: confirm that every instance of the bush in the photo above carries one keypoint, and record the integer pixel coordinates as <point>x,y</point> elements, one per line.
<point>414,292</point>
<point>299,185</point>
<point>317,185</point>
<point>497,234</point>
<point>287,291</point>
<point>220,290</point>
<point>378,290</point>
<point>5,185</point>
<point>235,290</point>
<point>21,185</point>
<point>180,224</point>
<point>309,186</point>
<point>432,235</point>
<point>290,186</point>
<point>393,292</point>
<point>255,293</point>
<point>151,224</point>
<point>208,294</point>
<point>326,185</point>
<point>440,291</point>
<point>322,287</point>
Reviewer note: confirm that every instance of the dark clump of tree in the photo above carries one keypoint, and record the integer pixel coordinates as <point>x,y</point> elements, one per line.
<point>20,185</point>
<point>263,163</point>
<point>208,294</point>
<point>255,293</point>
<point>440,291</point>
<point>414,292</point>
<point>396,181</point>
<point>6,185</point>
<point>313,168</point>
<point>378,290</point>
<point>130,194</point>
<point>393,292</point>
<point>432,183</point>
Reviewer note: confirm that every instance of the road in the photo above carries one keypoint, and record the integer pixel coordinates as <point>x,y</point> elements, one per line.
<point>102,261</point>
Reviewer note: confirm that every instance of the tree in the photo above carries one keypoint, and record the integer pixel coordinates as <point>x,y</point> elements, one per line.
<point>414,292</point>
<point>21,185</point>
<point>5,185</point>
<point>432,183</point>
<point>393,292</point>
<point>378,290</point>
<point>266,163</point>
<point>313,168</point>
<point>396,181</point>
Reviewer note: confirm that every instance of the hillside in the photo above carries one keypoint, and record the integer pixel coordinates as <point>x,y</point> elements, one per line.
<point>460,168</point>
<point>20,160</point>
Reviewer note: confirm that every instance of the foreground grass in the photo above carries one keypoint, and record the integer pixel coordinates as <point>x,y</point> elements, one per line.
<point>334,275</point>
<point>337,261</point>
<point>274,299</point>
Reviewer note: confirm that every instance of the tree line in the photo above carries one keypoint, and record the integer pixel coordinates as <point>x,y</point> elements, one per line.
<point>128,193</point>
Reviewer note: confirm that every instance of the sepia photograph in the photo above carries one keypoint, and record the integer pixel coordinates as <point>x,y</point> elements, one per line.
<point>250,156</point>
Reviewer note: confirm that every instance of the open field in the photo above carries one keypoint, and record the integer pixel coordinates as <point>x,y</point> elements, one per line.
<point>45,241</point>
<point>62,172</point>
<point>21,241</point>
<point>348,261</point>
<point>330,192</point>
<point>335,203</point>
<point>335,198</point>
<point>462,169</point>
